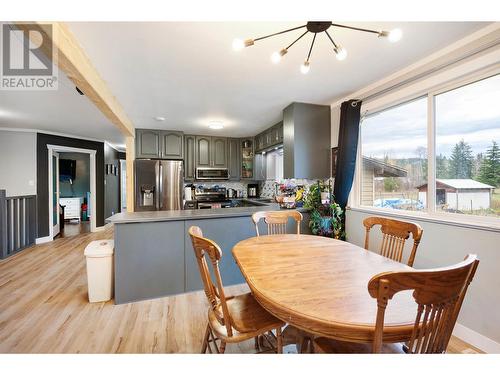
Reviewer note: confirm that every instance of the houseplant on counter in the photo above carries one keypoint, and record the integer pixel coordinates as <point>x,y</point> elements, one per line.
<point>326,215</point>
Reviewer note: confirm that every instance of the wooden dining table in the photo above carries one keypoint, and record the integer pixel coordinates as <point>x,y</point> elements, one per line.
<point>319,285</point>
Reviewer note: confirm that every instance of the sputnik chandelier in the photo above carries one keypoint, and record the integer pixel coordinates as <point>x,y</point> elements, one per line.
<point>315,27</point>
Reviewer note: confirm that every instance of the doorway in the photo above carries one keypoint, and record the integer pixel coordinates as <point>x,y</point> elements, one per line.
<point>71,205</point>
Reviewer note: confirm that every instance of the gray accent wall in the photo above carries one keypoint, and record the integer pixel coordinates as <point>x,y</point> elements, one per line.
<point>18,162</point>
<point>445,244</point>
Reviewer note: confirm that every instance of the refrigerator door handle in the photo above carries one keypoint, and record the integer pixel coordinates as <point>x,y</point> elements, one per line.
<point>157,190</point>
<point>161,186</point>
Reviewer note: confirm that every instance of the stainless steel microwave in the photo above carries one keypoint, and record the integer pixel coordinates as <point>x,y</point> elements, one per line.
<point>212,174</point>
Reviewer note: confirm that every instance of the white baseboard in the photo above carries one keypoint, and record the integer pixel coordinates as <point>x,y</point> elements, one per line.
<point>474,338</point>
<point>41,240</point>
<point>100,229</point>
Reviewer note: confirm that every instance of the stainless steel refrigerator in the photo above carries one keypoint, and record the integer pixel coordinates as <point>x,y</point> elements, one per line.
<point>158,185</point>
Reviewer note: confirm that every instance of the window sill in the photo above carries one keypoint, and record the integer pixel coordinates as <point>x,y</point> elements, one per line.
<point>479,223</point>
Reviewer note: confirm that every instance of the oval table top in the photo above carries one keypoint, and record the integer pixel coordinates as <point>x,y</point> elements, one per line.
<point>320,284</point>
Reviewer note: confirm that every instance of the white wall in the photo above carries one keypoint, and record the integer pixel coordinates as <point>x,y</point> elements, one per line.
<point>18,162</point>
<point>445,244</point>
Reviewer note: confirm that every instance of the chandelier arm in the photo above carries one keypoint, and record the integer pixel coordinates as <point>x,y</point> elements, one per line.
<point>329,37</point>
<point>356,28</point>
<point>280,32</point>
<point>296,40</point>
<point>311,48</point>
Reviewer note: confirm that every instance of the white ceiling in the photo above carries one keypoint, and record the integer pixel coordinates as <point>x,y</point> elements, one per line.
<point>188,73</point>
<point>61,111</point>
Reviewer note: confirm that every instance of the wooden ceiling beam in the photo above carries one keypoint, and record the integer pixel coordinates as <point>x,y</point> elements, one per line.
<point>70,57</point>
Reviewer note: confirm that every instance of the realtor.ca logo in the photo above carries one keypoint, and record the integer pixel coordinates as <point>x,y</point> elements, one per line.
<point>25,64</point>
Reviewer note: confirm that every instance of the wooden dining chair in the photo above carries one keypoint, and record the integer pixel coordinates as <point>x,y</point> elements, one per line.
<point>394,235</point>
<point>276,220</point>
<point>230,319</point>
<point>438,293</point>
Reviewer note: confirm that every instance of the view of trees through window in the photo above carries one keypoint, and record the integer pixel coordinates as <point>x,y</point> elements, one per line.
<point>467,149</point>
<point>395,160</point>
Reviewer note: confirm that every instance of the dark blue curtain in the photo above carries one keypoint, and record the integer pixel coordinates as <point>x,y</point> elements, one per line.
<point>347,150</point>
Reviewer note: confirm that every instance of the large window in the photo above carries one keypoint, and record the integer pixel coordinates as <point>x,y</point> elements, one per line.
<point>396,167</point>
<point>394,156</point>
<point>468,149</point>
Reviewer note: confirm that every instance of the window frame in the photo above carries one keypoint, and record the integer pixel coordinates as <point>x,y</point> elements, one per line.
<point>430,213</point>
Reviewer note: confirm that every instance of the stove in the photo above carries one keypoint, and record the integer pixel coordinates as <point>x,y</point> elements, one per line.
<point>211,197</point>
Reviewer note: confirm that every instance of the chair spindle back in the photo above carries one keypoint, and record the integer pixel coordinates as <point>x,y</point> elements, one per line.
<point>394,235</point>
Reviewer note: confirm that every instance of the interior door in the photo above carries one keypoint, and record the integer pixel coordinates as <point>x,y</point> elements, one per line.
<point>55,194</point>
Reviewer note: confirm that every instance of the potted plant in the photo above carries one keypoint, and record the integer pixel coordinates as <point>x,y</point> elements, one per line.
<point>326,215</point>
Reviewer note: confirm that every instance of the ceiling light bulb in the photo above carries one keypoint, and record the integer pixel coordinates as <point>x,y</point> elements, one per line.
<point>216,125</point>
<point>395,35</point>
<point>340,53</point>
<point>238,44</point>
<point>304,68</point>
<point>275,57</point>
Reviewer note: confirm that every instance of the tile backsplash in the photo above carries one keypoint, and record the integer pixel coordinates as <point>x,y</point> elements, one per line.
<point>268,187</point>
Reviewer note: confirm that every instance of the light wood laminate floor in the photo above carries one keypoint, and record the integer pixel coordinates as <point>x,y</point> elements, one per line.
<point>44,309</point>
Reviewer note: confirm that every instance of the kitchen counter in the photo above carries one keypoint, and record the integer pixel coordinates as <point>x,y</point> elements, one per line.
<point>175,215</point>
<point>154,256</point>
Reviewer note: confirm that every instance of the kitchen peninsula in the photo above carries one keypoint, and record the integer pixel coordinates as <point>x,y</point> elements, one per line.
<point>153,253</point>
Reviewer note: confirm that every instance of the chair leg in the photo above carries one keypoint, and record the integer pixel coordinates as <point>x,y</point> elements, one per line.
<point>279,341</point>
<point>257,346</point>
<point>222,347</point>
<point>205,340</point>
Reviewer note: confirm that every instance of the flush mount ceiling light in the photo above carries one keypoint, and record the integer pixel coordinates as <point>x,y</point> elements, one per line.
<point>315,27</point>
<point>215,125</point>
<point>160,118</point>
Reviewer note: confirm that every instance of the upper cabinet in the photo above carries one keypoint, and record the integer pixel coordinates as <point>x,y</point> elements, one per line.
<point>211,152</point>
<point>219,152</point>
<point>203,154</point>
<point>269,138</point>
<point>171,145</point>
<point>189,157</point>
<point>159,144</point>
<point>234,158</point>
<point>306,143</point>
<point>147,143</point>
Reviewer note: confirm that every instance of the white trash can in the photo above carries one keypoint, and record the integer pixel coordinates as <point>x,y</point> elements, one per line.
<point>99,256</point>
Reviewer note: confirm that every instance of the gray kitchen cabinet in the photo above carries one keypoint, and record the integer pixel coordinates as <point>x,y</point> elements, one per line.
<point>259,142</point>
<point>189,157</point>
<point>147,143</point>
<point>247,158</point>
<point>203,151</point>
<point>306,143</point>
<point>159,144</point>
<point>268,138</point>
<point>277,134</point>
<point>259,166</point>
<point>219,152</point>
<point>211,152</point>
<point>171,144</point>
<point>234,159</point>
